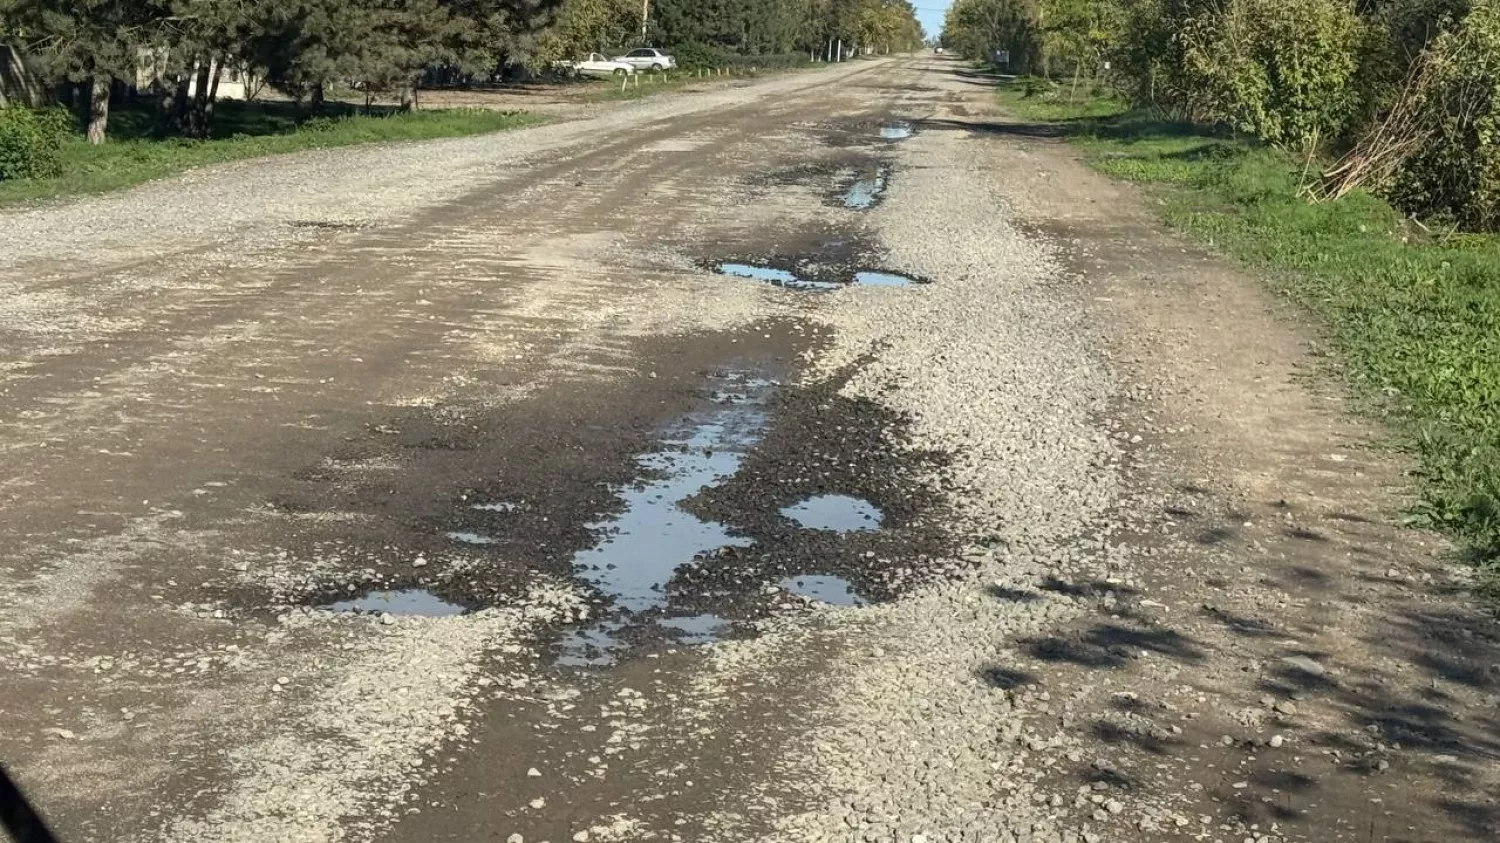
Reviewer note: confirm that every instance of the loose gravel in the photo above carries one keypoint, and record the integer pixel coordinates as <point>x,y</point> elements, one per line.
<point>924,742</point>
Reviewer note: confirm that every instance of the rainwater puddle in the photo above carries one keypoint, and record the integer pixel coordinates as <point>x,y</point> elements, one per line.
<point>497,506</point>
<point>865,193</point>
<point>471,538</point>
<point>640,549</point>
<point>883,279</point>
<point>695,629</point>
<point>413,602</point>
<point>895,131</point>
<point>770,275</point>
<point>838,513</point>
<point>834,590</point>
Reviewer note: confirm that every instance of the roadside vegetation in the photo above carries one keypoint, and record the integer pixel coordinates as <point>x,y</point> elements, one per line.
<point>135,155</point>
<point>1349,151</point>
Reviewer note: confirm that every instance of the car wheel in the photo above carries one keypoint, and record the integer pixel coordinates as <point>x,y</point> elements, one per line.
<point>657,68</point>
<point>619,71</point>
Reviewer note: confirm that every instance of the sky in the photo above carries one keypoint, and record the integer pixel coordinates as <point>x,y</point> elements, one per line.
<point>930,13</point>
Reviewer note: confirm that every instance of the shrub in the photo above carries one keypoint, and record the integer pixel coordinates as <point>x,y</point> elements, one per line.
<point>1277,69</point>
<point>1456,172</point>
<point>31,142</point>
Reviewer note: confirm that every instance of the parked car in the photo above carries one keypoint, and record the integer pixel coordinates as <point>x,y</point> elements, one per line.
<point>597,65</point>
<point>647,58</point>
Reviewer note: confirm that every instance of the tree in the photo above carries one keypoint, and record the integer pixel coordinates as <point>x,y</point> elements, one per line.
<point>90,43</point>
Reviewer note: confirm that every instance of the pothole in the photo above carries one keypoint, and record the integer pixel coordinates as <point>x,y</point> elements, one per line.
<point>642,548</point>
<point>411,602</point>
<point>865,193</point>
<point>833,590</point>
<point>791,280</point>
<point>836,513</point>
<point>463,537</point>
<point>771,275</point>
<point>895,131</point>
<point>870,278</point>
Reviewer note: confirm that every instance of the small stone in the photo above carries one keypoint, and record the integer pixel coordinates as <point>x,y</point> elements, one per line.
<point>515,838</point>
<point>59,732</point>
<point>538,803</point>
<point>1304,664</point>
<point>581,837</point>
<point>534,772</point>
<point>419,562</point>
<point>919,838</point>
<point>1227,740</point>
<point>1114,806</point>
<point>1382,765</point>
<point>386,618</point>
<point>1276,741</point>
<point>283,680</point>
<point>1286,707</point>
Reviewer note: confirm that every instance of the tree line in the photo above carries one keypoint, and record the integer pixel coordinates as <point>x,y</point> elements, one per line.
<point>705,31</point>
<point>389,46</point>
<point>1397,97</point>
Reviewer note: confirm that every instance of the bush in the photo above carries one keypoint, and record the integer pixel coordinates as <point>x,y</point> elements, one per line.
<point>1277,69</point>
<point>31,142</point>
<point>1456,173</point>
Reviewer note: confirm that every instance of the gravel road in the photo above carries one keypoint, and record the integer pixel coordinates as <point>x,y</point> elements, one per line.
<point>823,458</point>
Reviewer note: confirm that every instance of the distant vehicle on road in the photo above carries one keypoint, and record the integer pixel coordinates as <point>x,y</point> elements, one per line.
<point>647,58</point>
<point>597,65</point>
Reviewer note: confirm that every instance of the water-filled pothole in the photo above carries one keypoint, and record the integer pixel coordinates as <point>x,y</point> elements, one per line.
<point>895,131</point>
<point>792,281</point>
<point>837,513</point>
<point>464,537</point>
<point>415,602</point>
<point>771,275</point>
<point>865,193</point>
<point>641,548</point>
<point>833,590</point>
<point>870,278</point>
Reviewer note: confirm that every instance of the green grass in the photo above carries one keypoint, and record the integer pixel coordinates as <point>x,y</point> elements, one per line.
<point>1415,314</point>
<point>241,130</point>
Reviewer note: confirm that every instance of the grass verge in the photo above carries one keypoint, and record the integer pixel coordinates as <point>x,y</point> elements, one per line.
<point>132,156</point>
<point>1414,313</point>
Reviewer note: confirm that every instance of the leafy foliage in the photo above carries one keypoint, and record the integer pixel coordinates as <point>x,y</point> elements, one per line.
<point>1455,174</point>
<point>31,142</point>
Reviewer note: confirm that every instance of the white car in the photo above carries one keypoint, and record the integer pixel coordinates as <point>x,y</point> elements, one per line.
<point>647,58</point>
<point>597,65</point>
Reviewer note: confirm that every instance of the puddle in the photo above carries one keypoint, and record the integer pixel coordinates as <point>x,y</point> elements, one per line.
<point>771,275</point>
<point>641,549</point>
<point>895,131</point>
<point>592,647</point>
<point>413,602</point>
<point>883,279</point>
<point>695,629</point>
<point>835,590</point>
<point>497,506</point>
<point>865,193</point>
<point>839,513</point>
<point>471,538</point>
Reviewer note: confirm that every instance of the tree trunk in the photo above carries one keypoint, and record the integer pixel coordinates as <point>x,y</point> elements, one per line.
<point>409,97</point>
<point>316,101</point>
<point>198,117</point>
<point>180,103</point>
<point>98,118</point>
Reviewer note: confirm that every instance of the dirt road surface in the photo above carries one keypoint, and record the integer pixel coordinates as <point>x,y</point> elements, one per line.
<point>823,458</point>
